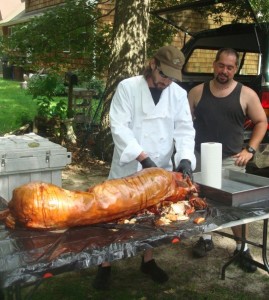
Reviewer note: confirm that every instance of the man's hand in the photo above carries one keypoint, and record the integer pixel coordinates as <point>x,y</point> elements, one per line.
<point>185,168</point>
<point>242,158</point>
<point>148,163</point>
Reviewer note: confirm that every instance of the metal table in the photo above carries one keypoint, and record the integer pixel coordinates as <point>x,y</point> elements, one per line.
<point>260,213</point>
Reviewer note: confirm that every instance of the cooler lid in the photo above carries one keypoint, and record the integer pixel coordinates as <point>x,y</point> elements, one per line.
<point>13,146</point>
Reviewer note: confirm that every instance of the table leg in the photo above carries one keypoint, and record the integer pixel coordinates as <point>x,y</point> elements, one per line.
<point>264,245</point>
<point>243,240</point>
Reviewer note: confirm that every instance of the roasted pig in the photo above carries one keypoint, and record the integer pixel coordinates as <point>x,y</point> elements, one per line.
<point>40,205</point>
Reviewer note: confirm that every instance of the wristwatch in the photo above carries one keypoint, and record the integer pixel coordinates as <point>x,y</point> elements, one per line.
<point>250,149</point>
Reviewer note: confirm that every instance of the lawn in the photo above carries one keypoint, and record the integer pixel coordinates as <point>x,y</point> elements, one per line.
<point>189,280</point>
<point>17,108</point>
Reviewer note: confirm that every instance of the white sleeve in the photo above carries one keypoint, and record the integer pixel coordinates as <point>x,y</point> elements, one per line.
<point>121,111</point>
<point>184,132</point>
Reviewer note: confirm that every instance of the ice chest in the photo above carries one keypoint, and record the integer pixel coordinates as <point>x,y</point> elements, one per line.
<point>28,158</point>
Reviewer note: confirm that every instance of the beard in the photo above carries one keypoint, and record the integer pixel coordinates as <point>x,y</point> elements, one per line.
<point>159,85</point>
<point>222,78</point>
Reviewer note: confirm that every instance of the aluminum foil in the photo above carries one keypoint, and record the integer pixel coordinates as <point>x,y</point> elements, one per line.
<point>28,255</point>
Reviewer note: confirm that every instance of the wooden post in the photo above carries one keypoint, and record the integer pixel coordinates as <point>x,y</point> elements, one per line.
<point>70,101</point>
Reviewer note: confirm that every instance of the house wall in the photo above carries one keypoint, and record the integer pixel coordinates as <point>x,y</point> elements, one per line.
<point>34,5</point>
<point>107,11</point>
<point>10,7</point>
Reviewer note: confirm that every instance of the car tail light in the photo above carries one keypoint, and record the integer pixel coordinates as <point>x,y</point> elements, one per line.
<point>265,104</point>
<point>265,100</point>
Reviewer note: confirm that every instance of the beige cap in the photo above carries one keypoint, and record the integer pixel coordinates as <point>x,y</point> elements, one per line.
<point>171,61</point>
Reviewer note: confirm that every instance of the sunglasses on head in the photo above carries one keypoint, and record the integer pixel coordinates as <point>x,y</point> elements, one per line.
<point>164,76</point>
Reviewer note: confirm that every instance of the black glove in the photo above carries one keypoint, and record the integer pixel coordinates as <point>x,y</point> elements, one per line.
<point>148,163</point>
<point>185,168</point>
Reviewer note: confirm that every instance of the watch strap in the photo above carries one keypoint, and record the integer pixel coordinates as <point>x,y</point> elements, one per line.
<point>250,149</point>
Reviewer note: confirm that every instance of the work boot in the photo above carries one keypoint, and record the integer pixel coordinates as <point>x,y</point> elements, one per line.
<point>243,262</point>
<point>201,248</point>
<point>102,278</point>
<point>157,274</point>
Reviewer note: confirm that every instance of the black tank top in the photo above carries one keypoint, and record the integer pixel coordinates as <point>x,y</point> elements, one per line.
<point>220,120</point>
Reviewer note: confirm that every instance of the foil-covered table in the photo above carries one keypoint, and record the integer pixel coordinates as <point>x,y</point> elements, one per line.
<point>27,255</point>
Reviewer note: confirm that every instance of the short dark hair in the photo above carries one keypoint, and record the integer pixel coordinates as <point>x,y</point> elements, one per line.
<point>228,51</point>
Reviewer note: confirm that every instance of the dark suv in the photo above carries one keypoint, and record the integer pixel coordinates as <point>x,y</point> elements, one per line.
<point>204,37</point>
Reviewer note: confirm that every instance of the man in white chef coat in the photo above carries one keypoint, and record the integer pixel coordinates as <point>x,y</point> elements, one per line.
<point>150,120</point>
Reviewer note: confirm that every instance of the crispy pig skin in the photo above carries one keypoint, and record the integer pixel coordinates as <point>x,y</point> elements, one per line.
<point>39,205</point>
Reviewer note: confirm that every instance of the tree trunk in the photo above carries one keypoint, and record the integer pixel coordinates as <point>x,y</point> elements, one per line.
<point>70,134</point>
<point>130,32</point>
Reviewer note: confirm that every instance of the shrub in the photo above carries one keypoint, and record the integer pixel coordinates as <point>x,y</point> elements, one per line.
<point>45,88</point>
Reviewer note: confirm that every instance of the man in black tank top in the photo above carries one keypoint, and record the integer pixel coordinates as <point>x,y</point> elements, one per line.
<point>219,108</point>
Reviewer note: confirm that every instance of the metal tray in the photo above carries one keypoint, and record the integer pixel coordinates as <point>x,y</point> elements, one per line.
<point>237,188</point>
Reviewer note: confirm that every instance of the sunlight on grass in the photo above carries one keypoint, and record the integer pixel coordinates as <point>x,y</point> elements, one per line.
<point>17,107</point>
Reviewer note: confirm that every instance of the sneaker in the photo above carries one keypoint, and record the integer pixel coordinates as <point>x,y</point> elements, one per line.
<point>157,274</point>
<point>243,262</point>
<point>102,278</point>
<point>201,248</point>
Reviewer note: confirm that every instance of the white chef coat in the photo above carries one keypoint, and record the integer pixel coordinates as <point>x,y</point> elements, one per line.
<point>137,125</point>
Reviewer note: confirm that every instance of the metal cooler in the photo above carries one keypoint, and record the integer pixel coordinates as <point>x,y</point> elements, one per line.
<point>28,158</point>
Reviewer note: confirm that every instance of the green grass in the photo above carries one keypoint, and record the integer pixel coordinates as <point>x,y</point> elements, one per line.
<point>17,108</point>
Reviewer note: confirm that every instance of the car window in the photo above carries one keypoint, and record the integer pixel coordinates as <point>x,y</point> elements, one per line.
<point>201,60</point>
